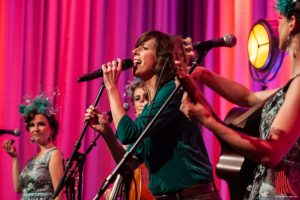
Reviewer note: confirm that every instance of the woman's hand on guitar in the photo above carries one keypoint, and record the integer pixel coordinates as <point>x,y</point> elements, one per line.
<point>188,47</point>
<point>197,72</point>
<point>181,69</point>
<point>200,113</point>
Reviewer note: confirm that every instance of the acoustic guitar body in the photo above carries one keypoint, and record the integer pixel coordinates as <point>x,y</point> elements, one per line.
<point>235,169</point>
<point>139,185</point>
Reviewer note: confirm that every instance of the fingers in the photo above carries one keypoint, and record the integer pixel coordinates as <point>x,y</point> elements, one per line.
<point>103,125</point>
<point>90,112</point>
<point>185,97</point>
<point>119,64</point>
<point>181,69</point>
<point>97,121</point>
<point>185,105</point>
<point>113,66</point>
<point>196,74</point>
<point>103,120</point>
<point>187,40</point>
<point>199,112</point>
<point>188,46</point>
<point>9,147</point>
<point>111,73</point>
<point>91,115</point>
<point>188,108</point>
<point>7,144</point>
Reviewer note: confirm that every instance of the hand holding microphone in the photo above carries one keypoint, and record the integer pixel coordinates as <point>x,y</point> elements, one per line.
<point>10,148</point>
<point>111,73</point>
<point>125,64</point>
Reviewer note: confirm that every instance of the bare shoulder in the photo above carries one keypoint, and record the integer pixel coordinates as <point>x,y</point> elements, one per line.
<point>296,81</point>
<point>56,162</point>
<point>56,155</point>
<point>293,91</point>
<point>291,105</point>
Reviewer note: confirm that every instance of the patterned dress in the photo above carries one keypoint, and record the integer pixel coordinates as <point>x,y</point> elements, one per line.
<point>283,181</point>
<point>35,178</point>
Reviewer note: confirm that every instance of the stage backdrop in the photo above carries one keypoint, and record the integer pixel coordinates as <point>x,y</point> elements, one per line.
<point>45,45</point>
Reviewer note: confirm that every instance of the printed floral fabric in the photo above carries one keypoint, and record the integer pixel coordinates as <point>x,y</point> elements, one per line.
<point>35,178</point>
<point>283,181</point>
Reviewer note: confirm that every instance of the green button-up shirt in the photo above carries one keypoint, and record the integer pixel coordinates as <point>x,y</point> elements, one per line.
<point>174,151</point>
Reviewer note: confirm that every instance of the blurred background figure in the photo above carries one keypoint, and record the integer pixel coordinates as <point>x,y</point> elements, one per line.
<point>137,95</point>
<point>41,175</point>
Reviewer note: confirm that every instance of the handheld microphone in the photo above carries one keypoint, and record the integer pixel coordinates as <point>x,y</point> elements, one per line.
<point>15,132</point>
<point>226,41</point>
<point>126,64</point>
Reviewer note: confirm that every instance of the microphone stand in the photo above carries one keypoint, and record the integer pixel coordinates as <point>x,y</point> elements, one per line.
<point>122,186</point>
<point>129,154</point>
<point>79,157</point>
<point>70,181</point>
<point>116,188</point>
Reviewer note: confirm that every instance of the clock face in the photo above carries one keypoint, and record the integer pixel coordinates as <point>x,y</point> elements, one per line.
<point>259,47</point>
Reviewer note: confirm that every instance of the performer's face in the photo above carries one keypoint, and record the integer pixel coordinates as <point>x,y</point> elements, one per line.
<point>40,129</point>
<point>139,100</point>
<point>145,59</point>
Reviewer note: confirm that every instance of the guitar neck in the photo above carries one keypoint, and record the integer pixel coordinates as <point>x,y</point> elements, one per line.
<point>194,92</point>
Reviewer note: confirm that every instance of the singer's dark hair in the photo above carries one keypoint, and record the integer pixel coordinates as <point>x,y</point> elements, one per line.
<point>51,119</point>
<point>164,54</point>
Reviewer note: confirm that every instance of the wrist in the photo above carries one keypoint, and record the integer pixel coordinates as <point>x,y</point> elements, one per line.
<point>209,122</point>
<point>111,88</point>
<point>14,158</point>
<point>198,73</point>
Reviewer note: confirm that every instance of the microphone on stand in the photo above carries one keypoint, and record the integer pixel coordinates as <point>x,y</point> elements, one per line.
<point>226,41</point>
<point>15,132</point>
<point>126,64</point>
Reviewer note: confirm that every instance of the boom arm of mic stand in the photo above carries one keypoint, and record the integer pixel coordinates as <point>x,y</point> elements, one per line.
<point>75,150</point>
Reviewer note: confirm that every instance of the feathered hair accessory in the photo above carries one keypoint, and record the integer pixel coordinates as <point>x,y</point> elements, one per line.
<point>39,104</point>
<point>285,7</point>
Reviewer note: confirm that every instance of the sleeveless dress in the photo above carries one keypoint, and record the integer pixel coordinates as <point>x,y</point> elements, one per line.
<point>283,181</point>
<point>35,178</point>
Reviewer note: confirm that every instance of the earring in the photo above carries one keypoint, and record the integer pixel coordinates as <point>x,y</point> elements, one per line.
<point>294,47</point>
<point>288,42</point>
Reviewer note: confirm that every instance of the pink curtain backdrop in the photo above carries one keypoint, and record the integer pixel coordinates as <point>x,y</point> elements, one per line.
<point>46,45</point>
